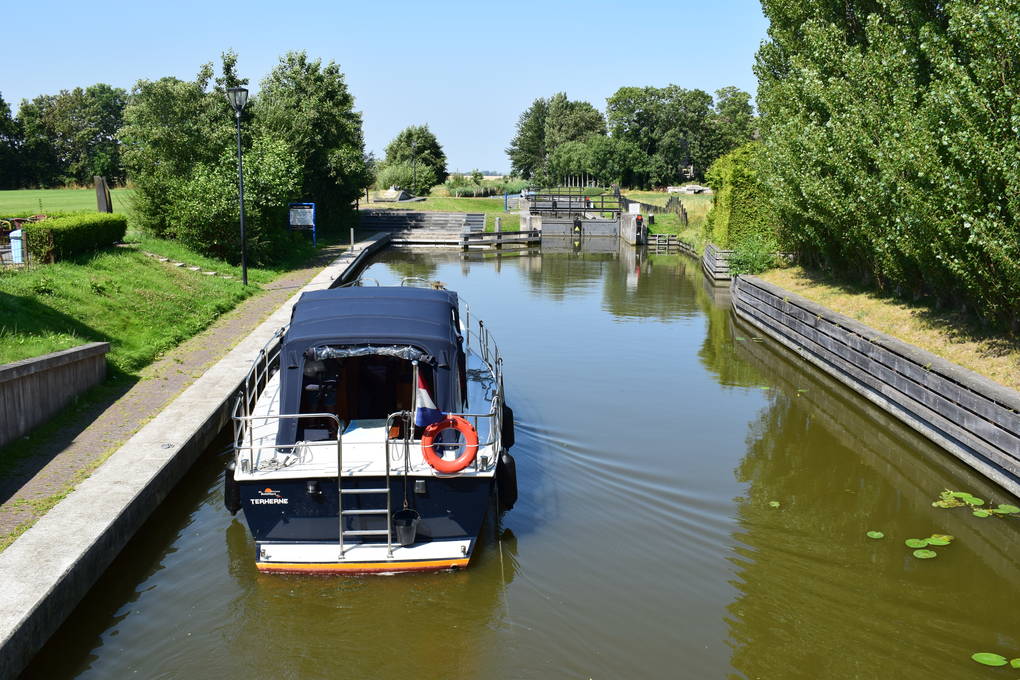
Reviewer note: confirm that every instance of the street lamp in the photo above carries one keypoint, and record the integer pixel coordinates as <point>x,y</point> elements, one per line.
<point>238,97</point>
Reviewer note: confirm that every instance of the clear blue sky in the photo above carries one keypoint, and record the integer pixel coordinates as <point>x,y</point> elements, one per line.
<point>468,69</point>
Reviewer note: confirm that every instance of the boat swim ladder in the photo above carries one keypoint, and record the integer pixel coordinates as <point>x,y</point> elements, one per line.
<point>408,419</point>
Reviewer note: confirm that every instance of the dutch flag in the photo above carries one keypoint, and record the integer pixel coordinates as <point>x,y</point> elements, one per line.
<point>426,413</point>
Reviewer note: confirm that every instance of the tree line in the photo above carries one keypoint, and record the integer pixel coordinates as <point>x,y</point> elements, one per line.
<point>63,138</point>
<point>890,145</point>
<point>175,140</point>
<point>648,136</point>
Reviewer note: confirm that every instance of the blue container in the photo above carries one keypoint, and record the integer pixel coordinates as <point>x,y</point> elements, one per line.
<point>17,244</point>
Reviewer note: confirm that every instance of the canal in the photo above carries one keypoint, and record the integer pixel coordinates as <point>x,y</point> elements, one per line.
<point>693,504</point>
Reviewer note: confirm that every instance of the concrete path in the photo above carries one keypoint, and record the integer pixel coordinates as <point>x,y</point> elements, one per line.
<point>66,457</point>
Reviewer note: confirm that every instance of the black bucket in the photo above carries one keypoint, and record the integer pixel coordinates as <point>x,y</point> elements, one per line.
<point>405,525</point>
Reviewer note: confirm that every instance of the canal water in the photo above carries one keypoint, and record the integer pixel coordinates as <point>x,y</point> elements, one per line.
<point>693,504</point>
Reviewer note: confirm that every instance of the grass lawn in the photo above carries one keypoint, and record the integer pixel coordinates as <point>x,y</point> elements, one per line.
<point>141,306</point>
<point>57,200</point>
<point>949,335</point>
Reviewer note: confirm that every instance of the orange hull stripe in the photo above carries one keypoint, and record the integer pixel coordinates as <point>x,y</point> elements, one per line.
<point>359,567</point>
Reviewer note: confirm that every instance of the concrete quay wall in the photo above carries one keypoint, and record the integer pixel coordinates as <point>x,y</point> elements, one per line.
<point>972,417</point>
<point>34,390</point>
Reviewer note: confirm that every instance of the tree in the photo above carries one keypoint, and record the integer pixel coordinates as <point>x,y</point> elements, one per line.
<point>170,128</point>
<point>677,128</point>
<point>71,136</point>
<point>571,121</point>
<point>889,132</point>
<point>527,149</point>
<point>307,105</point>
<point>734,116</point>
<point>416,146</point>
<point>10,149</point>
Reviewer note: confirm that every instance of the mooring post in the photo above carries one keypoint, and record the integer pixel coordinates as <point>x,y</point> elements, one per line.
<point>499,232</point>
<point>352,239</point>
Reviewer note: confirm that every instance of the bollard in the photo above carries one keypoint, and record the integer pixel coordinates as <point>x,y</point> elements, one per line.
<point>352,238</point>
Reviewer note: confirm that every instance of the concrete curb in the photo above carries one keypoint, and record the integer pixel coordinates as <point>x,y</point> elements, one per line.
<point>48,570</point>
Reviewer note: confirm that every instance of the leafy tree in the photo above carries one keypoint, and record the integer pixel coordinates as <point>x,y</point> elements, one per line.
<point>416,146</point>
<point>71,136</point>
<point>527,149</point>
<point>890,140</point>
<point>10,149</point>
<point>571,121</point>
<point>734,116</point>
<point>171,127</point>
<point>307,105</point>
<point>677,128</point>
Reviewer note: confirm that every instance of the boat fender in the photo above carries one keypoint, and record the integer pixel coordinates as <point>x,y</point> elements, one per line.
<point>231,490</point>
<point>508,427</point>
<point>506,479</point>
<point>428,437</point>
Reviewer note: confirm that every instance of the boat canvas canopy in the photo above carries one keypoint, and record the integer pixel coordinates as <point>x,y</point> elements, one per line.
<point>343,322</point>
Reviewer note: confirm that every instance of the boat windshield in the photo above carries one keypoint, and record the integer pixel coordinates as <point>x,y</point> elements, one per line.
<point>355,384</point>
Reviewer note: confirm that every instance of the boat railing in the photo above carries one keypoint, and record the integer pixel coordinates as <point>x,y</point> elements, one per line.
<point>477,339</point>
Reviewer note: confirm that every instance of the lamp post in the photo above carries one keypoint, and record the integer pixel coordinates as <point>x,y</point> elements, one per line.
<point>238,97</point>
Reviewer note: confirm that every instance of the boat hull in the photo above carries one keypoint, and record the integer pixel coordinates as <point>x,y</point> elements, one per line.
<point>295,527</point>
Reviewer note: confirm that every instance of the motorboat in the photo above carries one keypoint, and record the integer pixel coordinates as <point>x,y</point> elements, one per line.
<point>371,434</point>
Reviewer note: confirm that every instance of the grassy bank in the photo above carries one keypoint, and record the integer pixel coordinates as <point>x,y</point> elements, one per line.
<point>950,335</point>
<point>140,305</point>
<point>58,200</point>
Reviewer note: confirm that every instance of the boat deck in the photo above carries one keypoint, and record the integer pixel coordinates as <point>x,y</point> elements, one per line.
<point>363,442</point>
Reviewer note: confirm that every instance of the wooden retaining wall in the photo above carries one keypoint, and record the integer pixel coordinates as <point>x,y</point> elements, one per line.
<point>716,262</point>
<point>34,390</point>
<point>972,417</point>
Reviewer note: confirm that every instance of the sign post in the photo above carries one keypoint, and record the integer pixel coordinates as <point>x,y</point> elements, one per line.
<point>302,218</point>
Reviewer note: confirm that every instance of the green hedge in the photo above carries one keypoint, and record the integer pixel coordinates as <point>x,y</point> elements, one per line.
<point>62,237</point>
<point>742,211</point>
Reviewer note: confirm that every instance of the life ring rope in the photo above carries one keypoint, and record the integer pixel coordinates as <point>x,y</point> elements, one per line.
<point>466,457</point>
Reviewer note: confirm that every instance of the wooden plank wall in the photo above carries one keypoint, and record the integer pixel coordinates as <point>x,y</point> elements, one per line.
<point>716,262</point>
<point>34,390</point>
<point>974,418</point>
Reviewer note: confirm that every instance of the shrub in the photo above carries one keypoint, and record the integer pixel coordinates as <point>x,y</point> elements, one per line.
<point>754,255</point>
<point>742,211</point>
<point>418,179</point>
<point>203,210</point>
<point>62,237</point>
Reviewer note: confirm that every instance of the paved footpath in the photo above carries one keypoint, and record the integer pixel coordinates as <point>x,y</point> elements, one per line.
<point>71,453</point>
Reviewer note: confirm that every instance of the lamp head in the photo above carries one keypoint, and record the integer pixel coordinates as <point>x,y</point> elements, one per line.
<point>238,97</point>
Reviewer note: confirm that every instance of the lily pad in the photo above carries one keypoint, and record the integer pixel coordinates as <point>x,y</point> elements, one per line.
<point>989,659</point>
<point>916,542</point>
<point>960,494</point>
<point>1009,509</point>
<point>774,504</point>
<point>925,554</point>
<point>1015,663</point>
<point>875,534</point>
<point>982,513</point>
<point>944,537</point>
<point>937,541</point>
<point>971,500</point>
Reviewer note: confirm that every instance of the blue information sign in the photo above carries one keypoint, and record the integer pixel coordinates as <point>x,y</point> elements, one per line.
<point>302,218</point>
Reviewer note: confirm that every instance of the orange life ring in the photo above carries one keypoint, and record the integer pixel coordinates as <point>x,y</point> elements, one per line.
<point>461,461</point>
